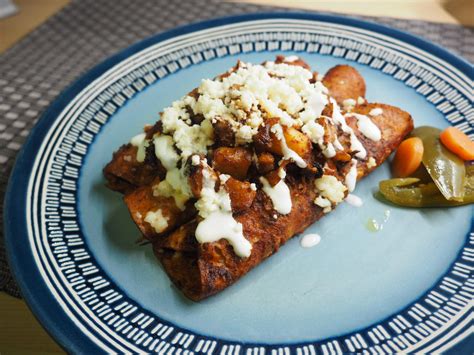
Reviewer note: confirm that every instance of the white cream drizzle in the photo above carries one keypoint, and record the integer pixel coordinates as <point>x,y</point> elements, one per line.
<point>367,127</point>
<point>222,225</point>
<point>310,240</point>
<point>279,194</point>
<point>338,117</point>
<point>288,154</point>
<point>329,151</point>
<point>281,173</point>
<point>218,223</point>
<point>354,200</point>
<point>338,144</point>
<point>141,143</point>
<point>165,151</point>
<point>356,145</point>
<point>351,177</point>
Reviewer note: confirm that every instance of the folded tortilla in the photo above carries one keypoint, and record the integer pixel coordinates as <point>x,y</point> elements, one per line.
<point>200,270</point>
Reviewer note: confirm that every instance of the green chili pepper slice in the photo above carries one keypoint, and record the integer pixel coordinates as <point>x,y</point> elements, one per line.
<point>412,192</point>
<point>445,168</point>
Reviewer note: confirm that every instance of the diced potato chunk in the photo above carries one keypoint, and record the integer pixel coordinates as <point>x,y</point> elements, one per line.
<point>195,181</point>
<point>241,194</point>
<point>265,140</point>
<point>234,161</point>
<point>342,156</point>
<point>298,142</point>
<point>265,162</point>
<point>273,177</point>
<point>224,135</point>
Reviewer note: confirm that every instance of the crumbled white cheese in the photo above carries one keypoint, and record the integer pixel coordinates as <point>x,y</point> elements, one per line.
<point>212,88</point>
<point>244,98</point>
<point>245,134</point>
<point>175,185</point>
<point>253,187</point>
<point>193,139</point>
<point>322,202</point>
<point>291,59</point>
<point>223,178</point>
<point>331,188</point>
<point>314,131</point>
<point>141,143</point>
<point>210,107</point>
<point>165,152</point>
<point>195,160</point>
<point>188,138</point>
<point>327,209</point>
<point>348,104</point>
<point>371,163</point>
<point>376,111</point>
<point>210,200</point>
<point>157,220</point>
<point>284,95</point>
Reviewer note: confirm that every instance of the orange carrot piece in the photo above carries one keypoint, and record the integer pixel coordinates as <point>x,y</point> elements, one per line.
<point>458,143</point>
<point>408,157</point>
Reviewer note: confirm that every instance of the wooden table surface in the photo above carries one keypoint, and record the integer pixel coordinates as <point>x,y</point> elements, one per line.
<point>20,332</point>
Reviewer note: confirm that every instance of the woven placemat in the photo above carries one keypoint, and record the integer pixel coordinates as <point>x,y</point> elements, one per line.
<point>84,33</point>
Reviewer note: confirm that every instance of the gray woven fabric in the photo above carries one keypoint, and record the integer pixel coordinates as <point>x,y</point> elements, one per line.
<point>84,33</point>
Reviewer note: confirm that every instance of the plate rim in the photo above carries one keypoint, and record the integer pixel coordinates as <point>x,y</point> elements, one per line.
<point>19,255</point>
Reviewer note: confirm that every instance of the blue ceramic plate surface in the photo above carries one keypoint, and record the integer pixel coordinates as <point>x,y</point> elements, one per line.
<point>71,244</point>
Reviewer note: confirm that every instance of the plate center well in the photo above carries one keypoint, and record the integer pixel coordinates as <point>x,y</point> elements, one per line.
<point>351,280</point>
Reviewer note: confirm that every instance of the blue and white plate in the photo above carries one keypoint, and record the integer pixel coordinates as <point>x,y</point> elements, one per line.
<point>407,287</point>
